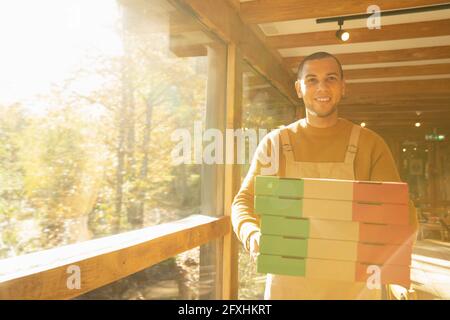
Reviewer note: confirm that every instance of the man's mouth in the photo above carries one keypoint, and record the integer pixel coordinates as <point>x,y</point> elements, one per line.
<point>323,99</point>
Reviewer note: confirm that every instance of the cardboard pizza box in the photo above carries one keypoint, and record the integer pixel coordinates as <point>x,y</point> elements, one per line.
<point>335,250</point>
<point>337,230</point>
<point>381,213</point>
<point>286,226</point>
<point>334,270</point>
<point>384,254</point>
<point>386,234</point>
<point>281,265</point>
<point>284,246</point>
<point>332,189</point>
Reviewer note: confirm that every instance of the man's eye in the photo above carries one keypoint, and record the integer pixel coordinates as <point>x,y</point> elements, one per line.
<point>311,80</point>
<point>332,78</point>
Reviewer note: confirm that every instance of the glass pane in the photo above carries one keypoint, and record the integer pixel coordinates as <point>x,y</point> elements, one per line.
<point>264,107</point>
<point>425,166</point>
<point>92,92</point>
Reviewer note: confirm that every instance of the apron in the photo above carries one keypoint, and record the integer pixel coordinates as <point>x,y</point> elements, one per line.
<point>292,287</point>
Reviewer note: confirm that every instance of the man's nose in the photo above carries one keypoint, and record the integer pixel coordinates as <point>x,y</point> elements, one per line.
<point>322,85</point>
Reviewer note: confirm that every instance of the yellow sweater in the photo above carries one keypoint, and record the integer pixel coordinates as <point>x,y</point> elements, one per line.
<point>373,162</point>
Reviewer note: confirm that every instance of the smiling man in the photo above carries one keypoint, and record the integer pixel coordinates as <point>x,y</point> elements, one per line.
<point>321,85</point>
<point>321,145</point>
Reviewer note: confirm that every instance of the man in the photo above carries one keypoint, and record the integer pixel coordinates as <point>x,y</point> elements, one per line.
<point>320,146</point>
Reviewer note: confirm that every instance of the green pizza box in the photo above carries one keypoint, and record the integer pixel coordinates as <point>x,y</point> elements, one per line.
<point>285,226</point>
<point>283,246</point>
<point>274,186</point>
<point>278,206</point>
<point>281,265</point>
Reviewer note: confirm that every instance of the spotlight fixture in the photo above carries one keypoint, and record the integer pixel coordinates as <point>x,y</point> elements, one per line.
<point>342,34</point>
<point>418,124</point>
<point>363,124</point>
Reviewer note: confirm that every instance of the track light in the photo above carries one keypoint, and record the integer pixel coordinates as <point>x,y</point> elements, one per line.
<point>342,34</point>
<point>345,35</point>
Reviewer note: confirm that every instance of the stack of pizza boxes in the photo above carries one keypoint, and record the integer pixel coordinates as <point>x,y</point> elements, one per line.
<point>334,229</point>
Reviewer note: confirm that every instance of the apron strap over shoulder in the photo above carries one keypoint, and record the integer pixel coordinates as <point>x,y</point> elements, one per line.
<point>352,144</point>
<point>286,144</point>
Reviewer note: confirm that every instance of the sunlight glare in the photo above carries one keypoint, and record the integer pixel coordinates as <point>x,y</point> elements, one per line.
<point>44,41</point>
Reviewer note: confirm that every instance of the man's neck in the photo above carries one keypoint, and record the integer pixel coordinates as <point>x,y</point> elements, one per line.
<point>319,122</point>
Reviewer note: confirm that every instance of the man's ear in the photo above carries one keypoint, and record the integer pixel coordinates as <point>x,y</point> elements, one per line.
<point>298,89</point>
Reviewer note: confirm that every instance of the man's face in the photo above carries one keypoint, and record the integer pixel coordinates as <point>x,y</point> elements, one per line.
<point>321,86</point>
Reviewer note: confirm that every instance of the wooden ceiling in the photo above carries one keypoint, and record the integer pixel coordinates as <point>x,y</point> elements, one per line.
<point>396,76</point>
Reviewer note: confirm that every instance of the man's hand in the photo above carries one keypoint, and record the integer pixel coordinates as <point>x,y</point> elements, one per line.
<point>254,245</point>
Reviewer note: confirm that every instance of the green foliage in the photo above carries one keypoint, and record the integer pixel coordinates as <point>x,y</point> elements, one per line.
<point>104,154</point>
<point>251,283</point>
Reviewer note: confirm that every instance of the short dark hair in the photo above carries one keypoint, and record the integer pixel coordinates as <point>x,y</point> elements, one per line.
<point>318,56</point>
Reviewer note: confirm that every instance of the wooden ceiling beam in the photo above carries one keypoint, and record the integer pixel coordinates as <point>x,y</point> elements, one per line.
<point>424,100</point>
<point>403,71</point>
<point>396,101</point>
<point>429,116</point>
<point>221,18</point>
<point>427,53</point>
<point>417,134</point>
<point>409,131</point>
<point>388,32</point>
<point>424,106</point>
<point>189,51</point>
<point>236,4</point>
<point>441,112</point>
<point>262,11</point>
<point>398,123</point>
<point>180,23</point>
<point>412,118</point>
<point>426,88</point>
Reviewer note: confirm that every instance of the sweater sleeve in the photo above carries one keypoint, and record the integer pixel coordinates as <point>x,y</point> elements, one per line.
<point>245,222</point>
<point>383,168</point>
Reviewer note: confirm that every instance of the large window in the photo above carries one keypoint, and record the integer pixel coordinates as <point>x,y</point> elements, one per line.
<point>263,107</point>
<point>91,94</point>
